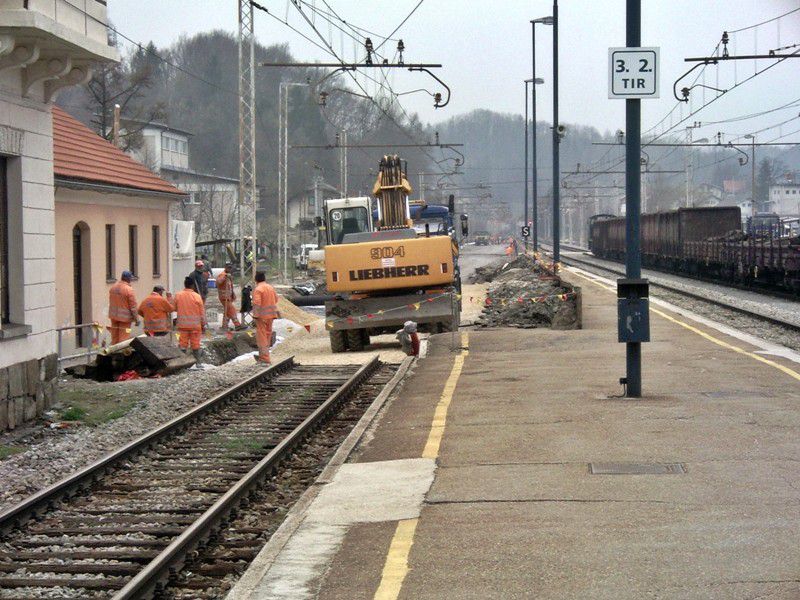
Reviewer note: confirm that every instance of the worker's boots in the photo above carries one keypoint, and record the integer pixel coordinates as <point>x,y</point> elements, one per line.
<point>196,354</point>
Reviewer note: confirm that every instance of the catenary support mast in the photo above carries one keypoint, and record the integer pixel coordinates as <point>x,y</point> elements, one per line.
<point>247,138</point>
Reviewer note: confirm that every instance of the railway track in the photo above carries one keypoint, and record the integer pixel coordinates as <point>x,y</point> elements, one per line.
<point>182,510</point>
<point>590,264</point>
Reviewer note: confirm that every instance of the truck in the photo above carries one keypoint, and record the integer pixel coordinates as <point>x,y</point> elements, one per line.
<point>395,263</point>
<point>482,238</point>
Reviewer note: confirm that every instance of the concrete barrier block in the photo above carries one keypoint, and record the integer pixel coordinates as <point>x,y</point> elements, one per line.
<point>16,412</point>
<point>32,376</point>
<point>50,366</point>
<point>40,401</point>
<point>29,408</point>
<point>49,389</point>
<point>3,384</point>
<point>3,414</point>
<point>17,384</point>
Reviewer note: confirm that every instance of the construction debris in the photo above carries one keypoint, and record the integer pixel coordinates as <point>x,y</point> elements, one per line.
<point>143,355</point>
<point>527,296</point>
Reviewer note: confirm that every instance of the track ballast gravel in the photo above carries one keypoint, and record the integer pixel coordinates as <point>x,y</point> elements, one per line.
<point>160,400</point>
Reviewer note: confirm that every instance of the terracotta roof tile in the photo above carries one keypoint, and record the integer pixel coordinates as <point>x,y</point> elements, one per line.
<point>79,153</point>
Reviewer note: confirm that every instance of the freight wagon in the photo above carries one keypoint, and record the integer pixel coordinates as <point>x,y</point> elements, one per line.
<point>703,242</point>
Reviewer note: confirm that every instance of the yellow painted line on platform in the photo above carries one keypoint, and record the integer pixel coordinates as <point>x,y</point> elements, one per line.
<point>440,415</point>
<point>395,567</point>
<point>790,372</point>
<point>719,342</point>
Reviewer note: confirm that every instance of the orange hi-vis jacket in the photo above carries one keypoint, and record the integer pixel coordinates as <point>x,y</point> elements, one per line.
<point>224,286</point>
<point>122,302</point>
<point>156,310</point>
<point>265,302</point>
<point>191,310</point>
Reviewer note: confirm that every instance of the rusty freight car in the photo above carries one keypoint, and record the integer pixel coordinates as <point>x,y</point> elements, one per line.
<point>704,242</point>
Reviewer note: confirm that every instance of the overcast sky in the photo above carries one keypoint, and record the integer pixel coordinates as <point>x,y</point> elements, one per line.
<point>485,49</point>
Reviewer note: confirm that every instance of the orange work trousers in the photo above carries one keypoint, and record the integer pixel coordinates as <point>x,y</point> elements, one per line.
<point>189,336</point>
<point>120,331</point>
<point>229,313</point>
<point>263,339</point>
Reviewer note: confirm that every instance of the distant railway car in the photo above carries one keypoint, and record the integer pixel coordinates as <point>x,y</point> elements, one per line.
<point>706,242</point>
<point>598,235</point>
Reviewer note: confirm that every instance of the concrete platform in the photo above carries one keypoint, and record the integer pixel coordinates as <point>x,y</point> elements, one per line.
<point>475,480</point>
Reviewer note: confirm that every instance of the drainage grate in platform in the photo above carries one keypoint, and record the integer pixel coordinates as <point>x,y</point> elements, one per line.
<point>636,468</point>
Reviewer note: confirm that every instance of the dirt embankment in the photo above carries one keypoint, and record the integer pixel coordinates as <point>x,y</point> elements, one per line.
<point>524,294</point>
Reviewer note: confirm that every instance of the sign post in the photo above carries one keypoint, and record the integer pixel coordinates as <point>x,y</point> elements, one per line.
<point>526,231</point>
<point>633,75</point>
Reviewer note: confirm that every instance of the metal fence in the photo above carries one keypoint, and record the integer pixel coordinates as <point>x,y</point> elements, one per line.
<point>86,353</point>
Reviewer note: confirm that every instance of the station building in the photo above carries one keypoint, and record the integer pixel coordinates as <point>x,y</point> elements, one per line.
<point>45,46</point>
<point>111,214</point>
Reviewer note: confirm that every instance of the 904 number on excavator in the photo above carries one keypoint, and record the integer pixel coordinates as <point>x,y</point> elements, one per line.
<point>387,252</point>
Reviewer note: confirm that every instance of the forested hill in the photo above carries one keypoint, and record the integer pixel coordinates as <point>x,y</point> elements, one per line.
<point>192,85</point>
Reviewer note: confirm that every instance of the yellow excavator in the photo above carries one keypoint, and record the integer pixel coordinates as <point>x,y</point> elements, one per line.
<point>383,268</point>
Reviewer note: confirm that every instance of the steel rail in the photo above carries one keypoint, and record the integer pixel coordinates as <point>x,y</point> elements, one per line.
<point>40,501</point>
<point>146,583</point>
<point>694,296</point>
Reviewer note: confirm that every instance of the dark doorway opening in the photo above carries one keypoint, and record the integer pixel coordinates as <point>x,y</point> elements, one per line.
<point>80,282</point>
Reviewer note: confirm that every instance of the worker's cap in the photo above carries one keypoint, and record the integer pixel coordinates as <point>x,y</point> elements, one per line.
<point>127,275</point>
<point>199,263</point>
<point>228,265</point>
<point>158,288</point>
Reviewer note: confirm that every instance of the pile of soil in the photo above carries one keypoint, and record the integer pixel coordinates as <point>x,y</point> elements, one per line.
<point>526,296</point>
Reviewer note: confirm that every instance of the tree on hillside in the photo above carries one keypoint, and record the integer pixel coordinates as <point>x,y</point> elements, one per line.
<point>769,170</point>
<point>124,83</point>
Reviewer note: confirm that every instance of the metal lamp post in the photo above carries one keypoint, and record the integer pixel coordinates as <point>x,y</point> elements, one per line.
<point>556,143</point>
<point>534,22</point>
<point>283,170</point>
<point>534,82</point>
<point>752,137</point>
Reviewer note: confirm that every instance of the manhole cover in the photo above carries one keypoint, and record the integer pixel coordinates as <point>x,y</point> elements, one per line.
<point>636,468</point>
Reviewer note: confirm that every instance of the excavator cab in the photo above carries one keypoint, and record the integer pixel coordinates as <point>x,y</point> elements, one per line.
<point>344,216</point>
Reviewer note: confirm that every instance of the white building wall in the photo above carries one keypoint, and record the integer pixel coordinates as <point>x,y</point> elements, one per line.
<point>31,207</point>
<point>50,44</point>
<point>785,200</point>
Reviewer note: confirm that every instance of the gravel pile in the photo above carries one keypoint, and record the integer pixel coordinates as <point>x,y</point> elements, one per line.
<point>522,295</point>
<point>158,401</point>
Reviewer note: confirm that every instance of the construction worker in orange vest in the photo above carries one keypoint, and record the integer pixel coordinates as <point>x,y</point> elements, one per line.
<point>227,297</point>
<point>265,310</point>
<point>156,311</point>
<point>122,308</point>
<point>191,317</point>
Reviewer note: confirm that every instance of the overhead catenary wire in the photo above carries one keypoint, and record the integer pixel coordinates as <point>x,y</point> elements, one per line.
<point>403,22</point>
<point>377,105</point>
<point>786,14</point>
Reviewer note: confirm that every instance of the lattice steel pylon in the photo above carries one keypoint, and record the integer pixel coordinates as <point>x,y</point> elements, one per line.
<point>248,196</point>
